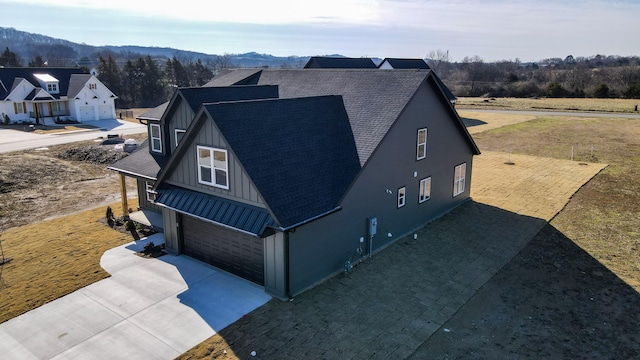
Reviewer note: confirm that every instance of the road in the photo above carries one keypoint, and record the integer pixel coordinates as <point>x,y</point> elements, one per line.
<point>15,140</point>
<point>557,113</point>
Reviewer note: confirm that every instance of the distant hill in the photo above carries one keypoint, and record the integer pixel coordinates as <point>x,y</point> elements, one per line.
<point>59,52</point>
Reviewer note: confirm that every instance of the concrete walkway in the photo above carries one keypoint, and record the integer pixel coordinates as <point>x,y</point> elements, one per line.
<point>148,309</point>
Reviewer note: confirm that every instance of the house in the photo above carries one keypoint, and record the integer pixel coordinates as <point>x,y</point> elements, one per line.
<point>327,62</point>
<point>30,95</point>
<point>297,175</point>
<point>397,63</point>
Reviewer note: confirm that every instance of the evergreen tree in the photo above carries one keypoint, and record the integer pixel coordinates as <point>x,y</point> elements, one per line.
<point>109,74</point>
<point>9,58</point>
<point>37,62</point>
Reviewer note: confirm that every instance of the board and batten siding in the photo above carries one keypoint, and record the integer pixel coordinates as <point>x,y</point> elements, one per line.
<point>319,249</point>
<point>241,188</point>
<point>180,118</point>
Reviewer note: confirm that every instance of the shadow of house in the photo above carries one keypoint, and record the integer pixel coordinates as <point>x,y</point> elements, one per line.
<point>391,305</point>
<point>553,300</point>
<point>468,122</point>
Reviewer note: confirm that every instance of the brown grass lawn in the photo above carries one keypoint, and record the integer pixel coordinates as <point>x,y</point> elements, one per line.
<point>42,129</point>
<point>54,258</point>
<point>596,105</point>
<point>603,217</point>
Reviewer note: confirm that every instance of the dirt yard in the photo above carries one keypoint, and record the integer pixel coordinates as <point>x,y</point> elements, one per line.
<point>38,185</point>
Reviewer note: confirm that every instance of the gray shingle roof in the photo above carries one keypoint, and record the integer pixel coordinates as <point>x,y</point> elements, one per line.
<point>8,75</point>
<point>397,63</point>
<point>76,83</point>
<point>228,77</point>
<point>373,98</point>
<point>155,113</point>
<point>141,163</point>
<point>199,95</point>
<point>305,164</point>
<point>327,62</point>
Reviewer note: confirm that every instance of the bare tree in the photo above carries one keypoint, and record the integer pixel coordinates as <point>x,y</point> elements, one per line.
<point>438,61</point>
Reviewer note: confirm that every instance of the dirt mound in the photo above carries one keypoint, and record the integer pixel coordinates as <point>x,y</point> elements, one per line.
<point>93,154</point>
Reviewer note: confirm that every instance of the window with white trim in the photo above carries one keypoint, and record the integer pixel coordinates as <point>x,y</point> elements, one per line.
<point>459,179</point>
<point>213,167</point>
<point>401,197</point>
<point>179,133</point>
<point>151,195</point>
<point>156,138</point>
<point>19,108</point>
<point>425,190</point>
<point>52,88</point>
<point>421,149</point>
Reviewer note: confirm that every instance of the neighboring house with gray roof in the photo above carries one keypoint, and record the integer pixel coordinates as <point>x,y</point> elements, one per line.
<point>397,63</point>
<point>27,94</point>
<point>328,62</point>
<point>297,175</point>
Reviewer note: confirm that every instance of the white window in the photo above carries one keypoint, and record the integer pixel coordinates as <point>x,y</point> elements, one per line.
<point>425,190</point>
<point>151,195</point>
<point>401,197</point>
<point>459,179</point>
<point>52,87</point>
<point>156,138</point>
<point>213,167</point>
<point>178,135</point>
<point>19,108</point>
<point>421,151</point>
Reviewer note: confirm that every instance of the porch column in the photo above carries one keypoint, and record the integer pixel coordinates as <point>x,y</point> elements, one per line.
<point>123,196</point>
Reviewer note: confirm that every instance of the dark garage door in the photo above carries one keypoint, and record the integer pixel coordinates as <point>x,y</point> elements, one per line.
<point>229,250</point>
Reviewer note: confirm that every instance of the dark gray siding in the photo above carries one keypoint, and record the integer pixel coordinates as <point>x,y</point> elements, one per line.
<point>241,188</point>
<point>181,118</point>
<point>171,231</point>
<point>143,203</point>
<point>319,249</point>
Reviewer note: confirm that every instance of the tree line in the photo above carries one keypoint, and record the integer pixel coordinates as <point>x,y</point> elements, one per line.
<point>598,76</point>
<point>145,81</point>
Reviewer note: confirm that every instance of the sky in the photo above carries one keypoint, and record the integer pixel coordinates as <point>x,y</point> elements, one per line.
<point>494,30</point>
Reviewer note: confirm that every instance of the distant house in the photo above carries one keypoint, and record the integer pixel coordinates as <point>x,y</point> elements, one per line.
<point>287,177</point>
<point>397,63</point>
<point>326,62</point>
<point>30,94</point>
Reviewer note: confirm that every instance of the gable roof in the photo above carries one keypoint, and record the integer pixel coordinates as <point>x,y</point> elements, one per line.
<point>398,63</point>
<point>141,163</point>
<point>76,84</point>
<point>300,152</point>
<point>373,98</point>
<point>327,62</point>
<point>8,75</point>
<point>197,96</point>
<point>155,113</point>
<point>228,77</point>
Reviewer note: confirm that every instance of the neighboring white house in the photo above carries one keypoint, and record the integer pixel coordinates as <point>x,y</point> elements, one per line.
<point>27,94</point>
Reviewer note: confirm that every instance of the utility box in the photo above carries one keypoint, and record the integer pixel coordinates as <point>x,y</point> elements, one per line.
<point>373,226</point>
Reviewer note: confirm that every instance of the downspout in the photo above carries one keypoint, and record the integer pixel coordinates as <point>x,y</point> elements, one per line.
<point>287,277</point>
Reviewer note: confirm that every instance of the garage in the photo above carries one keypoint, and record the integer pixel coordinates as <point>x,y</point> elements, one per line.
<point>87,113</point>
<point>105,112</point>
<point>233,251</point>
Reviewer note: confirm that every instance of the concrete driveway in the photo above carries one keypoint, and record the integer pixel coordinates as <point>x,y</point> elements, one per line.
<point>15,140</point>
<point>148,309</point>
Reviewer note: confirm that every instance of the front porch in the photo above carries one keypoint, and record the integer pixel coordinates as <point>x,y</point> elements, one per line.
<point>149,218</point>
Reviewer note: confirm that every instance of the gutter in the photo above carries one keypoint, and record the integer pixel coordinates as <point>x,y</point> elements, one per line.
<point>292,227</point>
<point>131,173</point>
